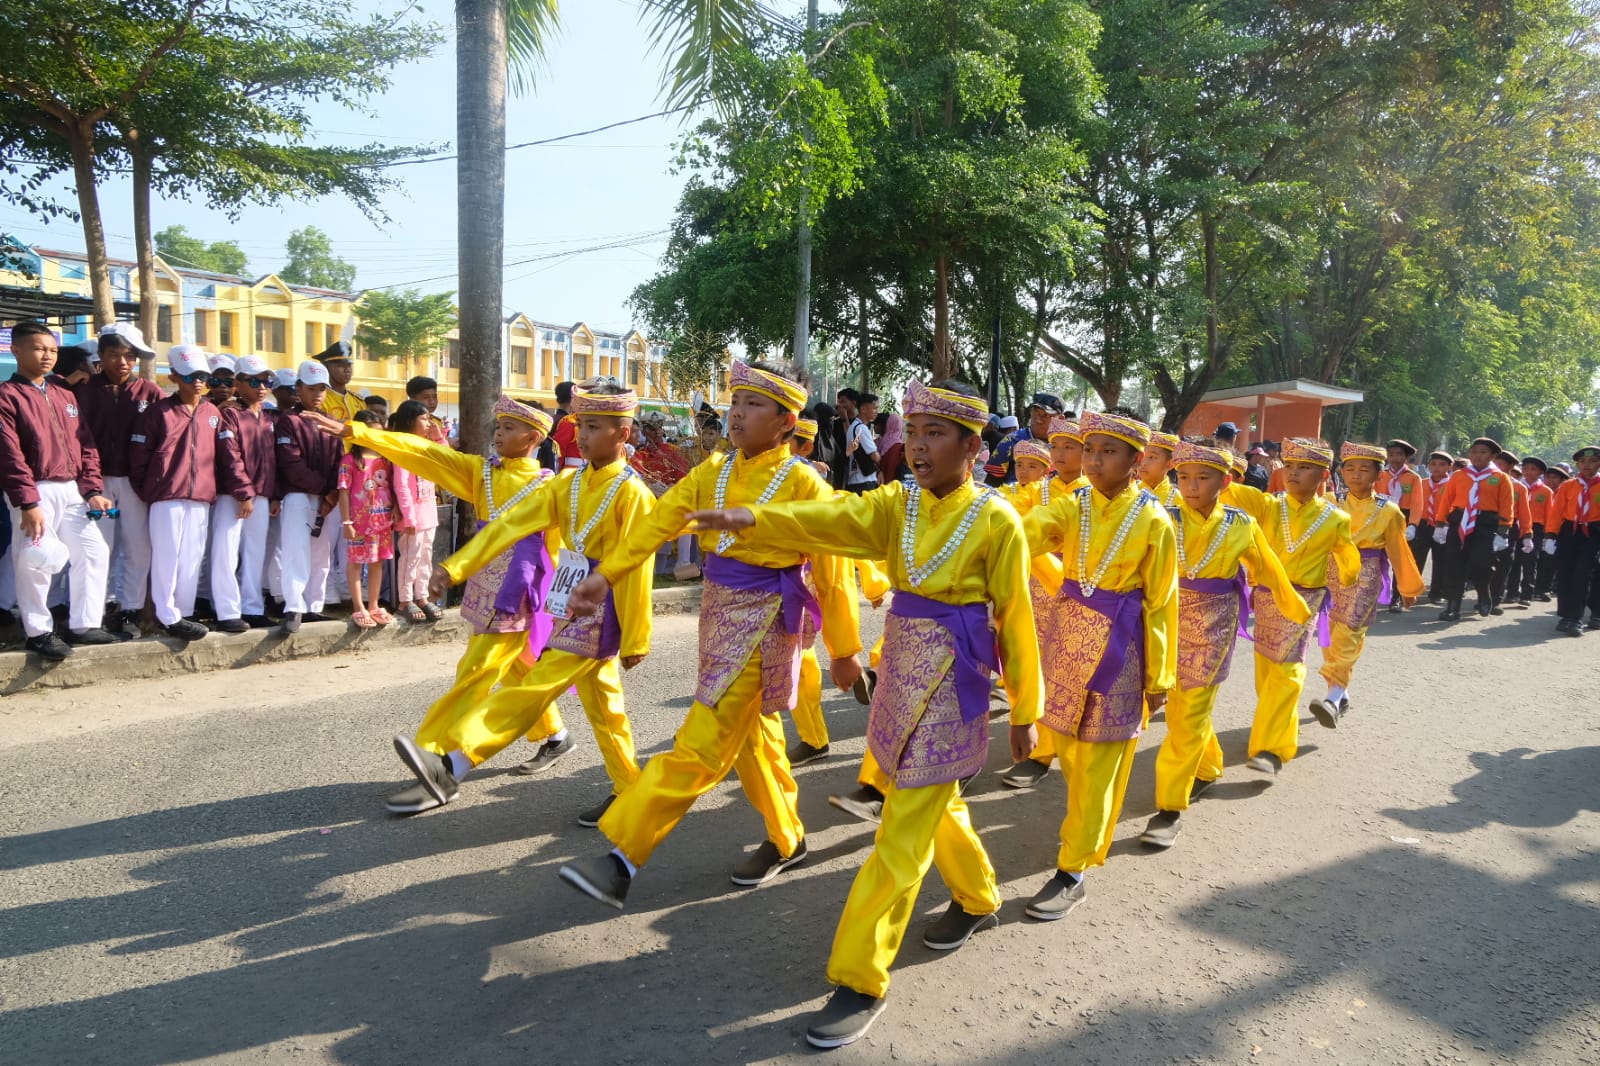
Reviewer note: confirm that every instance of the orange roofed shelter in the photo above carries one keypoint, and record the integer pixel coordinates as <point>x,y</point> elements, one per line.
<point>1269,412</point>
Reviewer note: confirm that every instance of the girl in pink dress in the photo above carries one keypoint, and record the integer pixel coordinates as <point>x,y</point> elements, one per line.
<point>416,520</point>
<point>366,504</point>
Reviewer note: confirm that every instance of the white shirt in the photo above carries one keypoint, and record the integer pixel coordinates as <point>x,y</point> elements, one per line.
<point>859,431</point>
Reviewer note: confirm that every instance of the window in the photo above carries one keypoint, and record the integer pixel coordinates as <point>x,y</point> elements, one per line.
<point>635,375</point>
<point>331,335</point>
<point>561,338</point>
<point>202,327</point>
<point>270,334</point>
<point>226,320</point>
<point>519,359</point>
<point>164,323</point>
<point>74,271</point>
<point>313,335</point>
<point>545,366</point>
<point>580,367</point>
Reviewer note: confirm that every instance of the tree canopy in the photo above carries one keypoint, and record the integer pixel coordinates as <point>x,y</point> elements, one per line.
<point>178,247</point>
<point>312,262</point>
<point>396,324</point>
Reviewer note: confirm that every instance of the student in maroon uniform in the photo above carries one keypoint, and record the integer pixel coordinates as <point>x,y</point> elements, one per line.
<point>50,473</point>
<point>308,480</point>
<point>240,519</point>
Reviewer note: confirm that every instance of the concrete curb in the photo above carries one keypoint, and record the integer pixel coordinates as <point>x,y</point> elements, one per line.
<point>162,656</point>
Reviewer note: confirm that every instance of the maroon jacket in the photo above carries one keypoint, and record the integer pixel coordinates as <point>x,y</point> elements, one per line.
<point>308,459</point>
<point>252,445</point>
<point>179,454</point>
<point>43,439</point>
<point>111,414</point>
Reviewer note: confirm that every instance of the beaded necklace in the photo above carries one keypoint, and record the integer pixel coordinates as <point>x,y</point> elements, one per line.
<point>720,497</point>
<point>1290,544</point>
<point>1191,572</point>
<point>517,497</point>
<point>1377,511</point>
<point>577,536</point>
<point>908,538</point>
<point>1084,496</point>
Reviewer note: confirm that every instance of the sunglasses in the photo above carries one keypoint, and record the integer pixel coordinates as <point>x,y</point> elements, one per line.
<point>218,381</point>
<point>95,516</point>
<point>193,379</point>
<point>260,382</point>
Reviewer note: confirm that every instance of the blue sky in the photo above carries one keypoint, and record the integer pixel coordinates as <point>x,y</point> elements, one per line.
<point>611,187</point>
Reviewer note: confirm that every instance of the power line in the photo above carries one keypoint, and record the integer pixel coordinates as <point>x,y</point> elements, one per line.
<point>542,141</point>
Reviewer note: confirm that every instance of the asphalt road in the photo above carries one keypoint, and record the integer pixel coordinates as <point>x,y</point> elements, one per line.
<point>201,871</point>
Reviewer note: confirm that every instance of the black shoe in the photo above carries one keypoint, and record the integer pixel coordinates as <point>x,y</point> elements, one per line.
<point>1495,610</point>
<point>803,753</point>
<point>1397,607</point>
<point>1524,601</point>
<point>430,769</point>
<point>96,636</point>
<point>413,800</point>
<point>1594,623</point>
<point>591,817</point>
<point>1483,609</point>
<point>844,1019</point>
<point>764,863</point>
<point>1326,713</point>
<point>1266,763</point>
<point>545,757</point>
<point>185,629</point>
<point>955,927</point>
<point>965,783</point>
<point>865,803</point>
<point>315,616</point>
<point>1056,899</point>
<point>258,621</point>
<point>233,625</point>
<point>603,878</point>
<point>1570,626</point>
<point>112,619</point>
<point>50,647</point>
<point>1451,613</point>
<point>1199,788</point>
<point>1344,706</point>
<point>1545,597</point>
<point>1025,774</point>
<point>862,689</point>
<point>1162,832</point>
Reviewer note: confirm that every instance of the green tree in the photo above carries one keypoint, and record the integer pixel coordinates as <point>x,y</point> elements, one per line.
<point>178,247</point>
<point>312,262</point>
<point>397,324</point>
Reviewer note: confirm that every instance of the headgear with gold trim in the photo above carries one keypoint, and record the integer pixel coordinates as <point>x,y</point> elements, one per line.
<point>1186,454</point>
<point>1065,427</point>
<point>1169,441</point>
<point>1031,449</point>
<point>1305,450</point>
<point>790,395</point>
<point>506,407</point>
<point>1349,450</point>
<point>969,412</point>
<point>805,429</point>
<point>623,404</point>
<point>1130,430</point>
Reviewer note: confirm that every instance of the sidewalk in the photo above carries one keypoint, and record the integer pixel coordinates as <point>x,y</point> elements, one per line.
<point>160,656</point>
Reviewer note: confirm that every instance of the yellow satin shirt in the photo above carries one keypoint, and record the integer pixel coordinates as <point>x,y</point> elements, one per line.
<point>1307,566</point>
<point>1147,560</point>
<point>1377,523</point>
<point>1246,545</point>
<point>458,473</point>
<point>344,407</point>
<point>1253,502</point>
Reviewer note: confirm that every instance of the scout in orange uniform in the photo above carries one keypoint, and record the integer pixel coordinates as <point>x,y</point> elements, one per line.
<point>1575,513</point>
<point>1520,542</point>
<point>1472,518</point>
<point>1530,581</point>
<point>1439,465</point>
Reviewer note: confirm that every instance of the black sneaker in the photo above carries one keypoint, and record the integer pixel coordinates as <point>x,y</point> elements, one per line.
<point>315,616</point>
<point>91,637</point>
<point>1451,613</point>
<point>603,878</point>
<point>258,621</point>
<point>1483,609</point>
<point>844,1019</point>
<point>233,625</point>
<point>185,629</point>
<point>291,623</point>
<point>1545,597</point>
<point>955,927</point>
<point>545,757</point>
<point>413,800</point>
<point>862,689</point>
<point>1025,774</point>
<point>1266,763</point>
<point>1200,788</point>
<point>591,817</point>
<point>430,769</point>
<point>1570,626</point>
<point>1496,610</point>
<point>1162,832</point>
<point>1594,623</point>
<point>764,863</point>
<point>1397,607</point>
<point>1056,899</point>
<point>865,803</point>
<point>803,753</point>
<point>49,646</point>
<point>1325,713</point>
<point>1344,706</point>
<point>1524,601</point>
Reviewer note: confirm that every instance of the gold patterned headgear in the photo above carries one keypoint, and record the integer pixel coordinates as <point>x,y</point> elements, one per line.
<point>506,407</point>
<point>619,405</point>
<point>1169,441</point>
<point>1031,449</point>
<point>1186,454</point>
<point>805,429</point>
<point>1348,451</point>
<point>1303,450</point>
<point>969,412</point>
<point>1130,430</point>
<point>1065,427</point>
<point>1237,462</point>
<point>790,395</point>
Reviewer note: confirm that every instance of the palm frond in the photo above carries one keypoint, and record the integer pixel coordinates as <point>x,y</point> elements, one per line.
<point>530,27</point>
<point>693,35</point>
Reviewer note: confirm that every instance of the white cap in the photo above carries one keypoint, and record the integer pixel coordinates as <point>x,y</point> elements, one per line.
<point>286,379</point>
<point>313,373</point>
<point>187,359</point>
<point>128,332</point>
<point>1008,422</point>
<point>252,366</point>
<point>269,404</point>
<point>221,361</point>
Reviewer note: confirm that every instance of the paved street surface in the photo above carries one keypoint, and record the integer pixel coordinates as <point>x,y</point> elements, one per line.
<point>200,870</point>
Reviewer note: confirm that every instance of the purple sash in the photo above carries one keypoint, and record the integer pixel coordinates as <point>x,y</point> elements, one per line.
<point>1124,611</point>
<point>977,652</point>
<point>528,581</point>
<point>1238,584</point>
<point>1385,573</point>
<point>788,582</point>
<point>1324,629</point>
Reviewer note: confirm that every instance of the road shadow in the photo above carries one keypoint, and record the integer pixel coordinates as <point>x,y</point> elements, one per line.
<point>1521,787</point>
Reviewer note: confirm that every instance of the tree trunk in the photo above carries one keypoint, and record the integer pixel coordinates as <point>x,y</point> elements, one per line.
<point>861,340</point>
<point>480,209</point>
<point>144,249</point>
<point>80,141</point>
<point>942,363</point>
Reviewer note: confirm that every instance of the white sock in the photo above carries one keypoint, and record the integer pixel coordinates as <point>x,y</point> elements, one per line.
<point>557,737</point>
<point>630,867</point>
<point>460,765</point>
<point>1336,693</point>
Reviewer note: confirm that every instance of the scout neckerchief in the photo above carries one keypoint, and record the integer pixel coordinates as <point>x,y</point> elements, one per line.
<point>1469,518</point>
<point>1585,496</point>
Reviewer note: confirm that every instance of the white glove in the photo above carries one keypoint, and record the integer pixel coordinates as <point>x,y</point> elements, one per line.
<point>1441,534</point>
<point>1501,542</point>
<point>1527,545</point>
<point>1549,545</point>
<point>1411,532</point>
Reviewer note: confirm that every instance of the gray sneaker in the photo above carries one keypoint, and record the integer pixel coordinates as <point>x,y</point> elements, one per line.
<point>1326,714</point>
<point>803,753</point>
<point>603,878</point>
<point>429,768</point>
<point>844,1020</point>
<point>1200,788</point>
<point>591,817</point>
<point>865,803</point>
<point>1162,832</point>
<point>413,800</point>
<point>1025,774</point>
<point>764,863</point>
<point>1266,763</point>
<point>955,927</point>
<point>1056,899</point>
<point>546,756</point>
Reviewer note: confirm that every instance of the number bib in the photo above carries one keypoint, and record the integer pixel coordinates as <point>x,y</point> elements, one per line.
<point>571,568</point>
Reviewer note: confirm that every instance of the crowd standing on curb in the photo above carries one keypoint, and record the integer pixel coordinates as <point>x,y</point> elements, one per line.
<point>1076,575</point>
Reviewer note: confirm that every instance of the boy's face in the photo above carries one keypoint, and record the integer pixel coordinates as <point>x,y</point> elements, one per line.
<point>35,354</point>
<point>1030,470</point>
<point>251,391</point>
<point>1588,466</point>
<point>1360,474</point>
<point>1153,464</point>
<point>310,396</point>
<point>1438,467</point>
<point>380,409</point>
<point>1108,462</point>
<point>707,435</point>
<point>1505,464</point>
<point>869,411</point>
<point>283,396</point>
<point>189,386</point>
<point>514,438</point>
<point>1038,423</point>
<point>219,386</point>
<point>1398,458</point>
<point>939,455</point>
<point>601,437</point>
<point>340,371</point>
<point>1066,455</point>
<point>428,398</point>
<point>756,423</point>
<point>846,409</point>
<point>1200,485</point>
<point>803,447</point>
<point>1302,479</point>
<point>117,362</point>
<point>1480,456</point>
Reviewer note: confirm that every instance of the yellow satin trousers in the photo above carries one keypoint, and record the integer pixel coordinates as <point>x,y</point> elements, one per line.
<point>1190,751</point>
<point>808,720</point>
<point>490,659</point>
<point>1097,781</point>
<point>1276,727</point>
<point>1339,657</point>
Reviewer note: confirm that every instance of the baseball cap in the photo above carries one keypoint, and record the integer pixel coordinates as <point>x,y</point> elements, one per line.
<point>1257,450</point>
<point>128,332</point>
<point>1008,422</point>
<point>1048,401</point>
<point>1227,431</point>
<point>312,373</point>
<point>186,359</point>
<point>221,361</point>
<point>253,366</point>
<point>285,379</point>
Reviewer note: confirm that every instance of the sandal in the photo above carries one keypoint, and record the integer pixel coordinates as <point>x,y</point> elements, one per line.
<point>382,617</point>
<point>433,613</point>
<point>413,614</point>
<point>362,620</point>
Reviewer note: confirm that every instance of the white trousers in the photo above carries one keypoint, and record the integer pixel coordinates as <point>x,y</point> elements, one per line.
<point>67,518</point>
<point>177,547</point>
<point>414,566</point>
<point>128,537</point>
<point>304,558</point>
<point>338,581</point>
<point>238,557</point>
<point>273,571</point>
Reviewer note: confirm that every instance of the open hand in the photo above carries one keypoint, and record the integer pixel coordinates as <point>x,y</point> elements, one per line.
<point>246,507</point>
<point>275,508</point>
<point>331,426</point>
<point>731,520</point>
<point>1155,701</point>
<point>33,524</point>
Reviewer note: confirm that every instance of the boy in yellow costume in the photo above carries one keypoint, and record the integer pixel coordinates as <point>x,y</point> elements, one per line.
<point>1378,529</point>
<point>955,553</point>
<point>1306,531</point>
<point>1153,467</point>
<point>587,510</point>
<point>1221,553</point>
<point>757,613</point>
<point>1111,646</point>
<point>503,603</point>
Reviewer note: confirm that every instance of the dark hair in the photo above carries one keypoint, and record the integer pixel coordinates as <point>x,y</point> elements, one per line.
<point>70,360</point>
<point>1124,412</point>
<point>419,385</point>
<point>868,397</point>
<point>404,418</point>
<point>850,394</point>
<point>375,398</point>
<point>366,418</point>
<point>30,329</point>
<point>960,388</point>
<point>564,393</point>
<point>1202,441</point>
<point>113,340</point>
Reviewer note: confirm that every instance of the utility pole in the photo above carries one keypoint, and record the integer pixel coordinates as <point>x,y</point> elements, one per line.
<point>994,366</point>
<point>802,297</point>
